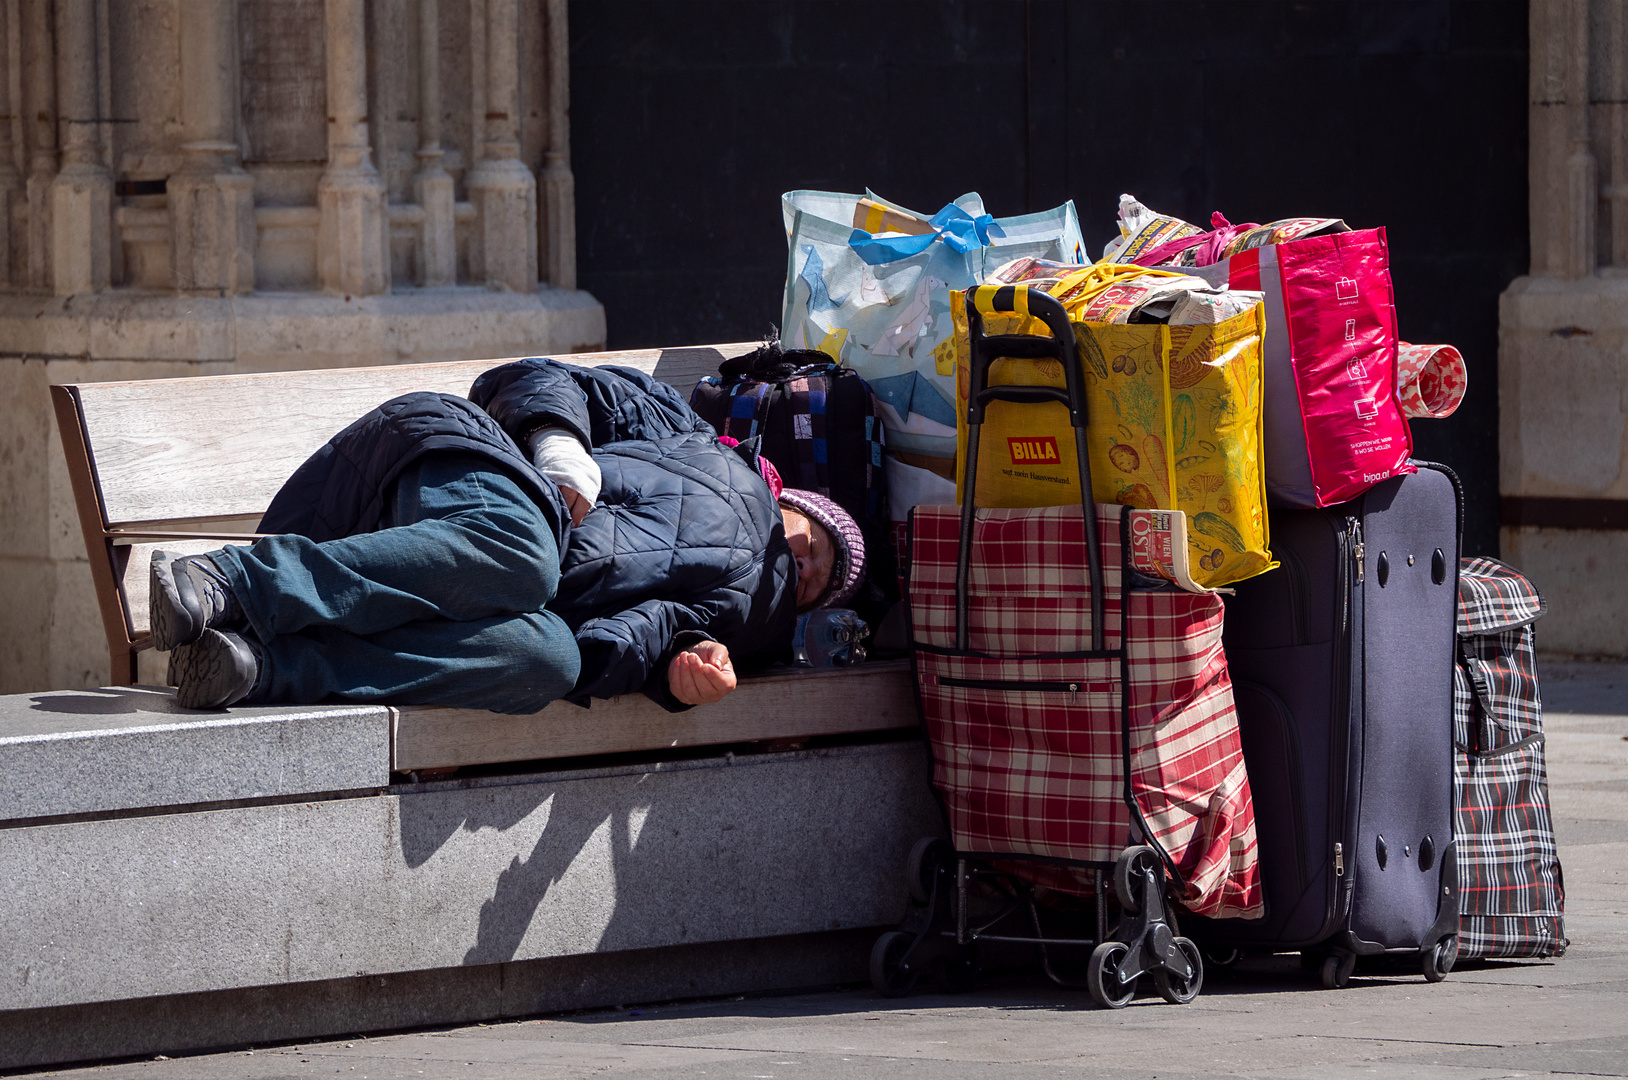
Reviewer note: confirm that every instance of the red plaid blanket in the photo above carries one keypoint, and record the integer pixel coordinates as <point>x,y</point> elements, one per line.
<point>1026,726</point>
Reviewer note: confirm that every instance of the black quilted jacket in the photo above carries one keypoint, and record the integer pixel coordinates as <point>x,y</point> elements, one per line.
<point>684,544</point>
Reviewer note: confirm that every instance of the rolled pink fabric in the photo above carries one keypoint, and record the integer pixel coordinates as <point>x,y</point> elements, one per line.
<point>1430,380</point>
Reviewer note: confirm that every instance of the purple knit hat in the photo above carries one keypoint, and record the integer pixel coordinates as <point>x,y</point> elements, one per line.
<point>848,556</point>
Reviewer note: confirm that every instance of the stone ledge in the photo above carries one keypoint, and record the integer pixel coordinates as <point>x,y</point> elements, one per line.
<point>1543,304</point>
<point>296,330</point>
<point>78,752</point>
<point>123,748</point>
<point>460,873</point>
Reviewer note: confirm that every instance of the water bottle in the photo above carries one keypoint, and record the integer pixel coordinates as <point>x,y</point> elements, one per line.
<point>829,637</point>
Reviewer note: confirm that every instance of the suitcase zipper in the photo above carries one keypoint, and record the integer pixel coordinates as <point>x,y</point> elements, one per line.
<point>1352,552</point>
<point>1352,801</point>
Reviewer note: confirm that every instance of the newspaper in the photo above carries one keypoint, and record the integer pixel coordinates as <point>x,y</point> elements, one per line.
<point>1208,306</point>
<point>1281,232</point>
<point>1158,548</point>
<point>1150,298</point>
<point>1142,229</point>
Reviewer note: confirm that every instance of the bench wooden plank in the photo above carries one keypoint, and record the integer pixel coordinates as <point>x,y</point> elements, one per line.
<point>791,704</point>
<point>220,446</point>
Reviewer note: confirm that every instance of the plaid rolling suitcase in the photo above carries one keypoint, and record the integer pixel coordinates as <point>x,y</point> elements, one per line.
<point>1080,719</point>
<point>1511,894</point>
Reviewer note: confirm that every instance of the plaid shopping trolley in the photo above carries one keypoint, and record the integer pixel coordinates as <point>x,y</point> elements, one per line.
<point>1080,719</point>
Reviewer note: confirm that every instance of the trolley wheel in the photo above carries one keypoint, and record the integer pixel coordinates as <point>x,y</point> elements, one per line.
<point>1132,863</point>
<point>1438,960</point>
<point>1337,969</point>
<point>923,864</point>
<point>961,969</point>
<point>890,973</point>
<point>1172,987</point>
<point>1102,977</point>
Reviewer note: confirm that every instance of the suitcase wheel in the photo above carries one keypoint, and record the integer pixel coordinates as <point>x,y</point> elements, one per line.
<point>1102,977</point>
<point>1173,987</point>
<point>1130,875</point>
<point>1438,960</point>
<point>1337,969</point>
<point>891,971</point>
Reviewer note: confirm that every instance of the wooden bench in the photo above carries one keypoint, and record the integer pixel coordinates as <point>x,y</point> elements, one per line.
<point>188,879</point>
<point>191,463</point>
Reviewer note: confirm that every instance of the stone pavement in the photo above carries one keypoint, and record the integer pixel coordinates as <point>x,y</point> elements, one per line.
<point>1265,1018</point>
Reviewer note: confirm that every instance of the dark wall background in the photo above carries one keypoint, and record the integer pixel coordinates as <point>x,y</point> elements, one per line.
<point>690,119</point>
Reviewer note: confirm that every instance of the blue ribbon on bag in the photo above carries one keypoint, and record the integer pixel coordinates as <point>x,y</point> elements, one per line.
<point>953,225</point>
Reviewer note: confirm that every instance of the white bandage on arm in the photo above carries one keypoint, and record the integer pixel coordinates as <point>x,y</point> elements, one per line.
<point>560,456</point>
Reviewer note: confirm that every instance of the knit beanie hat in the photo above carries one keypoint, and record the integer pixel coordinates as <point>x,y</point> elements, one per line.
<point>848,556</point>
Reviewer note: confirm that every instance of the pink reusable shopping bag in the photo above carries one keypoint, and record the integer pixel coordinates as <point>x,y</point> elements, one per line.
<point>1333,424</point>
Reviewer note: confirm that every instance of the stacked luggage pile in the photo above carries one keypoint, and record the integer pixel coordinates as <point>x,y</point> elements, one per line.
<point>1200,665</point>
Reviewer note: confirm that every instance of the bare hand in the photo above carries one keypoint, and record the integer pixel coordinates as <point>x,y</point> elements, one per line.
<point>701,674</point>
<point>576,505</point>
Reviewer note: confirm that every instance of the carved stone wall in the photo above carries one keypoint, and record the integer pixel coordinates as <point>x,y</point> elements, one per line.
<point>1563,353</point>
<point>174,132</point>
<point>207,186</point>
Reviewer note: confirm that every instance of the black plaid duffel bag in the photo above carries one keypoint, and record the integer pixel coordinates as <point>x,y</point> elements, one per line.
<point>1512,897</point>
<point>821,427</point>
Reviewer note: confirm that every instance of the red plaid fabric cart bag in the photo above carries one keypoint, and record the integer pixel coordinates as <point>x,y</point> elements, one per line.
<point>1028,725</point>
<point>1511,894</point>
<point>1070,714</point>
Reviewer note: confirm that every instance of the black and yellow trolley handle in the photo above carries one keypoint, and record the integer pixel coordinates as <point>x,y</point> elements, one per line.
<point>985,300</point>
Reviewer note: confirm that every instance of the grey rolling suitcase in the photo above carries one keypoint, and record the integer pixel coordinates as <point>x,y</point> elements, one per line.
<point>1342,662</point>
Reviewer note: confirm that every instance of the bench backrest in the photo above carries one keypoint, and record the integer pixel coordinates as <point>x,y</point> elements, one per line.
<point>189,463</point>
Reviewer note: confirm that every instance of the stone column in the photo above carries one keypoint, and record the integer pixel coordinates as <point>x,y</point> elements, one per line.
<point>40,125</point>
<point>1611,124</point>
<point>1561,166</point>
<point>353,240</point>
<point>211,197</point>
<point>501,187</point>
<point>82,193</point>
<point>558,219</point>
<point>11,180</point>
<point>1563,333</point>
<point>432,184</point>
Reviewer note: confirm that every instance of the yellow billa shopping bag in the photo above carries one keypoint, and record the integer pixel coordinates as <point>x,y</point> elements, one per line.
<point>1173,423</point>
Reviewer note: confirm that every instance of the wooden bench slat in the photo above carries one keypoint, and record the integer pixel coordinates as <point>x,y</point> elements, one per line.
<point>793,704</point>
<point>220,446</point>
